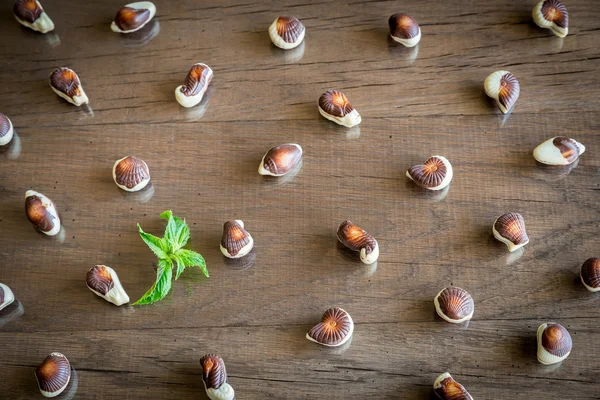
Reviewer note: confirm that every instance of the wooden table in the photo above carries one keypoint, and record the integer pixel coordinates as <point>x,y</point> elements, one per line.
<point>414,103</point>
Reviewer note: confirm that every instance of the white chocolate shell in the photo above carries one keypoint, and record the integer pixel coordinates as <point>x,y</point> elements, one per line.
<point>553,15</point>
<point>335,329</point>
<point>287,32</point>
<point>446,388</point>
<point>31,14</point>
<point>104,282</point>
<point>133,17</point>
<point>559,150</point>
<point>6,130</point>
<point>554,343</point>
<point>280,160</point>
<point>454,304</point>
<point>404,29</point>
<point>435,174</point>
<point>356,239</point>
<point>65,83</point>
<point>42,213</point>
<point>131,173</point>
<point>236,242</point>
<point>503,87</point>
<point>7,296</point>
<point>334,106</point>
<point>214,376</point>
<point>590,274</point>
<point>53,375</point>
<point>509,228</point>
<point>196,82</point>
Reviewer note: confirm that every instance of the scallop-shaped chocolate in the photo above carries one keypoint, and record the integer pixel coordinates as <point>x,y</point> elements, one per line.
<point>65,83</point>
<point>334,106</point>
<point>404,29</point>
<point>196,82</point>
<point>287,32</point>
<point>435,174</point>
<point>31,14</point>
<point>554,343</point>
<point>133,17</point>
<point>559,150</point>
<point>42,213</point>
<point>503,87</point>
<point>553,15</point>
<point>509,228</point>
<point>356,239</point>
<point>104,282</point>
<point>454,304</point>
<point>590,274</point>
<point>280,160</point>
<point>214,376</point>
<point>236,242</point>
<point>131,173</point>
<point>53,375</point>
<point>6,130</point>
<point>335,329</point>
<point>446,388</point>
<point>6,296</point>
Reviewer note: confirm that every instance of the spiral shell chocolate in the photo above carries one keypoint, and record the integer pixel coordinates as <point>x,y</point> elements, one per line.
<point>334,106</point>
<point>287,32</point>
<point>590,274</point>
<point>335,329</point>
<point>280,160</point>
<point>6,130</point>
<point>503,87</point>
<point>65,83</point>
<point>509,228</point>
<point>6,296</point>
<point>42,213</point>
<point>404,29</point>
<point>133,17</point>
<point>559,150</point>
<point>196,82</point>
<point>214,376</point>
<point>553,15</point>
<point>104,282</point>
<point>31,14</point>
<point>554,343</point>
<point>446,388</point>
<point>131,173</point>
<point>356,239</point>
<point>435,174</point>
<point>53,375</point>
<point>454,304</point>
<point>236,242</point>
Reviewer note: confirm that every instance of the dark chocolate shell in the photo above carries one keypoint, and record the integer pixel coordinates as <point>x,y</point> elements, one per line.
<point>435,174</point>
<point>509,228</point>
<point>214,374</point>
<point>236,241</point>
<point>403,26</point>
<point>336,328</point>
<point>131,173</point>
<point>27,10</point>
<point>99,279</point>
<point>197,79</point>
<point>357,239</point>
<point>289,29</point>
<point>53,375</point>
<point>42,213</point>
<point>590,274</point>
<point>446,388</point>
<point>280,160</point>
<point>65,82</point>
<point>554,343</point>
<point>454,305</point>
<point>335,103</point>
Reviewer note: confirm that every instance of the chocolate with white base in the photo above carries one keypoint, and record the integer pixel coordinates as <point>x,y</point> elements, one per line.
<point>65,83</point>
<point>236,242</point>
<point>133,17</point>
<point>6,130</point>
<point>446,388</point>
<point>509,228</point>
<point>335,329</point>
<point>280,160</point>
<point>334,106</point>
<point>356,239</point>
<point>559,150</point>
<point>104,282</point>
<point>131,173</point>
<point>287,32</point>
<point>554,343</point>
<point>42,213</point>
<point>53,375</point>
<point>454,305</point>
<point>435,174</point>
<point>214,376</point>
<point>31,14</point>
<point>590,274</point>
<point>404,29</point>
<point>553,15</point>
<point>503,87</point>
<point>196,82</point>
<point>7,296</point>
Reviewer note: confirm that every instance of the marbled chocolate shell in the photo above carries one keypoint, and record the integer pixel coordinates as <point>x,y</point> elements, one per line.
<point>196,83</point>
<point>435,174</point>
<point>446,388</point>
<point>335,329</point>
<point>287,32</point>
<point>404,29</point>
<point>503,87</point>
<point>53,375</point>
<point>65,83</point>
<point>590,274</point>
<point>104,282</point>
<point>214,376</point>
<point>559,150</point>
<point>6,130</point>
<point>131,173</point>
<point>454,305</point>
<point>280,160</point>
<point>236,242</point>
<point>553,15</point>
<point>509,228</point>
<point>31,14</point>
<point>554,343</point>
<point>357,239</point>
<point>42,213</point>
<point>7,297</point>
<point>334,106</point>
<point>133,17</point>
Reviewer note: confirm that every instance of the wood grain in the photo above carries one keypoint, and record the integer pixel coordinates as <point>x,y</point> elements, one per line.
<point>203,161</point>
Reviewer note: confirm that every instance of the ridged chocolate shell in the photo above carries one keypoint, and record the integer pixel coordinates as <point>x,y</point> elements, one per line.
<point>280,160</point>
<point>236,241</point>
<point>66,81</point>
<point>214,373</point>
<point>454,304</point>
<point>435,174</point>
<point>7,297</point>
<point>131,173</point>
<point>509,228</point>
<point>446,388</point>
<point>504,87</point>
<point>197,79</point>
<point>559,150</point>
<point>6,130</point>
<point>99,279</point>
<point>335,328</point>
<point>53,375</point>
<point>289,28</point>
<point>590,274</point>
<point>357,239</point>
<point>42,213</point>
<point>129,18</point>
<point>335,103</point>
<point>553,15</point>
<point>28,10</point>
<point>403,26</point>
<point>556,340</point>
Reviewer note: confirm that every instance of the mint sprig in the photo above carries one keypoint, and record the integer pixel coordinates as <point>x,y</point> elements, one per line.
<point>170,252</point>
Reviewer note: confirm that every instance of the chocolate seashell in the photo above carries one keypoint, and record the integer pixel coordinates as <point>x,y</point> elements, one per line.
<point>133,17</point>
<point>503,87</point>
<point>280,160</point>
<point>42,213</point>
<point>335,329</point>
<point>53,375</point>
<point>6,130</point>
<point>65,83</point>
<point>590,274</point>
<point>435,174</point>
<point>236,242</point>
<point>554,343</point>
<point>131,174</point>
<point>509,228</point>
<point>553,15</point>
<point>356,239</point>
<point>196,82</point>
<point>404,29</point>
<point>104,282</point>
<point>214,376</point>
<point>334,106</point>
<point>559,150</point>
<point>6,296</point>
<point>287,32</point>
<point>454,304</point>
<point>31,14</point>
<point>446,388</point>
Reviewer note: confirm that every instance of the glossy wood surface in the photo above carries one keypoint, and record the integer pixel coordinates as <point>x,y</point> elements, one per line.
<point>203,161</point>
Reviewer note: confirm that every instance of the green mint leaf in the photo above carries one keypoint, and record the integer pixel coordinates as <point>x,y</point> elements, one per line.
<point>171,229</point>
<point>183,233</point>
<point>180,265</point>
<point>162,286</point>
<point>159,246</point>
<point>192,259</point>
